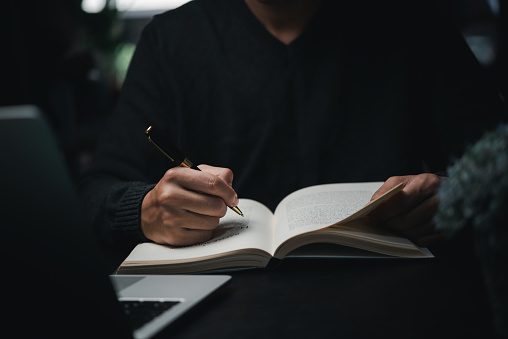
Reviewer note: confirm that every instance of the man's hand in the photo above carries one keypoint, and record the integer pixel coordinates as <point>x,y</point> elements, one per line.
<point>186,205</point>
<point>410,212</point>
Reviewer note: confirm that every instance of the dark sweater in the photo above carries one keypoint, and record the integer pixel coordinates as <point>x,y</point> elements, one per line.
<point>371,89</point>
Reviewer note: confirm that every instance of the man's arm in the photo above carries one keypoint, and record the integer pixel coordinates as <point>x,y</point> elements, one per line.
<point>128,191</point>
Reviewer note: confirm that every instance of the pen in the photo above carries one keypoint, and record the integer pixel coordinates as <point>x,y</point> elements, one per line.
<point>174,155</point>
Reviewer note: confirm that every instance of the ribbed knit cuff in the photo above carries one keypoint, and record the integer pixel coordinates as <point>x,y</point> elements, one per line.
<point>127,218</point>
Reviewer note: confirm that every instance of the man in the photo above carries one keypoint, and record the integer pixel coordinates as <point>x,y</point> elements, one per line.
<point>286,94</point>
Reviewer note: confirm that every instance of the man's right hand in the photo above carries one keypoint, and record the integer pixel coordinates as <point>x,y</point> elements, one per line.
<point>186,205</point>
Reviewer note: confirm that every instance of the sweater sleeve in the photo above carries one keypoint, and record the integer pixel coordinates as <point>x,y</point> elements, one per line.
<point>125,166</point>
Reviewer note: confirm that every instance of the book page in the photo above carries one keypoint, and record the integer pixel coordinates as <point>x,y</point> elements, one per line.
<point>234,232</point>
<point>316,207</point>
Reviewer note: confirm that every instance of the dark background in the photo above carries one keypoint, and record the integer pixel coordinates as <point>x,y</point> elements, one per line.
<point>71,63</point>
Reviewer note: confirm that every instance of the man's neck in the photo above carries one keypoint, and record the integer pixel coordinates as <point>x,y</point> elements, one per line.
<point>284,19</point>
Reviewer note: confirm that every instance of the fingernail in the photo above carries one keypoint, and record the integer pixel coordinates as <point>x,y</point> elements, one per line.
<point>236,201</point>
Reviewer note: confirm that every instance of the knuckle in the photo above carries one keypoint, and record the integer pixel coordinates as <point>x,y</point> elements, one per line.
<point>422,178</point>
<point>212,182</point>
<point>171,174</point>
<point>394,180</point>
<point>428,182</point>
<point>214,222</point>
<point>434,181</point>
<point>228,174</point>
<point>175,240</point>
<point>170,197</point>
<point>418,182</point>
<point>209,222</point>
<point>218,208</point>
<point>222,210</point>
<point>175,237</point>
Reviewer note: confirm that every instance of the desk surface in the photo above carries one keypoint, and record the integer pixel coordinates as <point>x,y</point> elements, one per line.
<point>304,298</point>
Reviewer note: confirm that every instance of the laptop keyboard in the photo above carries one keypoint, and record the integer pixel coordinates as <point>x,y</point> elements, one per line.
<point>141,312</point>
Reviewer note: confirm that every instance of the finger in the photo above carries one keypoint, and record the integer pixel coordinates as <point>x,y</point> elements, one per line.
<point>164,225</point>
<point>389,184</point>
<point>390,209</point>
<point>201,222</point>
<point>396,204</point>
<point>415,218</point>
<point>186,237</point>
<point>416,190</point>
<point>176,197</point>
<point>200,181</point>
<point>176,218</point>
<point>421,187</point>
<point>224,173</point>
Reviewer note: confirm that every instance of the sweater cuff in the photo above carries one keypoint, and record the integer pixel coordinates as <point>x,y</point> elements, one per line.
<point>127,219</point>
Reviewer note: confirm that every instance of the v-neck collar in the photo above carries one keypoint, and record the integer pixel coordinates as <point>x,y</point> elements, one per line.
<point>253,25</point>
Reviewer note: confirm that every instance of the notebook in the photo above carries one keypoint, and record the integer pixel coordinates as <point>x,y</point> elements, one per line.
<point>54,283</point>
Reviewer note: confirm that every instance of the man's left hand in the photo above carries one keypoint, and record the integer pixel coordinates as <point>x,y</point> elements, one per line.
<point>411,211</point>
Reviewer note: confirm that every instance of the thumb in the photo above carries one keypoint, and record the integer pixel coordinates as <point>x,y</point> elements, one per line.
<point>389,184</point>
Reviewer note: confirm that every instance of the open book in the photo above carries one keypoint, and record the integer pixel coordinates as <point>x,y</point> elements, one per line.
<point>323,214</point>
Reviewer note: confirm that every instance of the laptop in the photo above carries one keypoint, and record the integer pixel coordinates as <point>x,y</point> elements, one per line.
<point>54,281</point>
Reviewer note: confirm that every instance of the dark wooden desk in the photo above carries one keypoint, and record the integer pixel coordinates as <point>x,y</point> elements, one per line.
<point>303,298</point>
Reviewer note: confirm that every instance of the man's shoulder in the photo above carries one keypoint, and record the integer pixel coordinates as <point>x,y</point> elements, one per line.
<point>196,23</point>
<point>192,12</point>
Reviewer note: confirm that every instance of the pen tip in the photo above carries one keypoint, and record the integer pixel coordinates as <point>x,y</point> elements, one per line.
<point>237,210</point>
